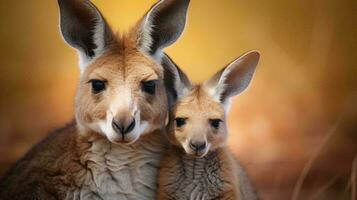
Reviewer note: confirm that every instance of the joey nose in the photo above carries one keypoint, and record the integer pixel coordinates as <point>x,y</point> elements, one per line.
<point>197,146</point>
<point>123,126</point>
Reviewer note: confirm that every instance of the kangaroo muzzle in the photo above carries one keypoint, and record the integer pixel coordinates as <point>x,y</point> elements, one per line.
<point>123,126</point>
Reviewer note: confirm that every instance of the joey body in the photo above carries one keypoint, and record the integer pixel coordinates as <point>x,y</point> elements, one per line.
<point>199,165</point>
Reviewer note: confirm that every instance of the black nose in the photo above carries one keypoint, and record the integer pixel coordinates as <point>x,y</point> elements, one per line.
<point>123,128</point>
<point>198,146</point>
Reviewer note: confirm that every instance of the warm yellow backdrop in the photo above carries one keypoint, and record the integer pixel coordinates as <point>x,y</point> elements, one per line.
<point>305,82</point>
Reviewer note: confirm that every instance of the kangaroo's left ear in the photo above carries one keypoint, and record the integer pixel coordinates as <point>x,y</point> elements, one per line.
<point>162,26</point>
<point>233,79</point>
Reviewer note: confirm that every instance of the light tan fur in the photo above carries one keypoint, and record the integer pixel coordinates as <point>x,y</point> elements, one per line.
<point>124,68</point>
<point>211,172</point>
<point>184,175</point>
<point>121,171</point>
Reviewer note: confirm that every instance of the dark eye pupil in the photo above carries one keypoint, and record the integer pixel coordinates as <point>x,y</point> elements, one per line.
<point>149,86</point>
<point>98,86</point>
<point>180,122</point>
<point>215,123</point>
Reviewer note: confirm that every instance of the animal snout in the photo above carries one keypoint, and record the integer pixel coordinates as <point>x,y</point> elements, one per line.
<point>122,126</point>
<point>198,146</point>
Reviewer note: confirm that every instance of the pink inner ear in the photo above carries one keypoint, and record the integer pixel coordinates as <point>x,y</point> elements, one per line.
<point>168,19</point>
<point>235,78</point>
<point>83,27</point>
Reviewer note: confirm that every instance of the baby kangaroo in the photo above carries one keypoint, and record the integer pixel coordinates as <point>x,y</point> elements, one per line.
<point>199,164</point>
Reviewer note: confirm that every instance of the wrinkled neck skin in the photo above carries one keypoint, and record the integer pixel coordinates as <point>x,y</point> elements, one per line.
<point>208,167</point>
<point>195,167</point>
<point>209,177</point>
<point>117,171</point>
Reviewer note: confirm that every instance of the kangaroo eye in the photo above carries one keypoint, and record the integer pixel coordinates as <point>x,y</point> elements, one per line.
<point>97,85</point>
<point>215,123</point>
<point>149,86</point>
<point>180,121</point>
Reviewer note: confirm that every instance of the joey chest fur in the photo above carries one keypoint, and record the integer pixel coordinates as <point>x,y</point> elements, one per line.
<point>185,177</point>
<point>113,171</point>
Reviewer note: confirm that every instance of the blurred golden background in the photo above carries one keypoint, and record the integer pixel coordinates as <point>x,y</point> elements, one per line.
<point>294,130</point>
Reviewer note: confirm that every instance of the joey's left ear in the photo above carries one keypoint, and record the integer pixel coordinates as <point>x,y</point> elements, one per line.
<point>176,81</point>
<point>162,26</point>
<point>233,79</point>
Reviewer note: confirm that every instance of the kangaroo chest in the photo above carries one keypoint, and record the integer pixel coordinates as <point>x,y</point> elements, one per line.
<point>121,172</point>
<point>196,178</point>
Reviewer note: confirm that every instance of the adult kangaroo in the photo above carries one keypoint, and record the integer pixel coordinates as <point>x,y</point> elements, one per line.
<point>113,148</point>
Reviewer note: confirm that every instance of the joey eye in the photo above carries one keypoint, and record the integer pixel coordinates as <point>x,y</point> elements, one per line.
<point>149,86</point>
<point>180,121</point>
<point>97,86</point>
<point>215,123</point>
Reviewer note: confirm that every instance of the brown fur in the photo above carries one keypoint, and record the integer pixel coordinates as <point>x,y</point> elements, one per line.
<point>59,164</point>
<point>211,176</point>
<point>43,167</point>
<point>89,159</point>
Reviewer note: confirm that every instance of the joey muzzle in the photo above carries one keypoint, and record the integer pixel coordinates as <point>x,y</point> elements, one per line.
<point>198,146</point>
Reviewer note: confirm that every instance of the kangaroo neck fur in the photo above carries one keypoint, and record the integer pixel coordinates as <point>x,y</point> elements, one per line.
<point>117,171</point>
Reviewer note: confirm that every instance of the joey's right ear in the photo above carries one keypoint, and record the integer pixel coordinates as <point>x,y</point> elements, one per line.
<point>84,28</point>
<point>234,78</point>
<point>176,82</point>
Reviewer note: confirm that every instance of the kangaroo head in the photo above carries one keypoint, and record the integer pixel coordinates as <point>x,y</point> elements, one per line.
<point>122,91</point>
<point>198,119</point>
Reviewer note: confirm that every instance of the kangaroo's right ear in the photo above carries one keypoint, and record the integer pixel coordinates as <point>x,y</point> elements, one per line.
<point>162,26</point>
<point>176,81</point>
<point>84,28</point>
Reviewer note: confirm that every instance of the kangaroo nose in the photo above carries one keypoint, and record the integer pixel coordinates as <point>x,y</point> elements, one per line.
<point>198,146</point>
<point>123,126</point>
